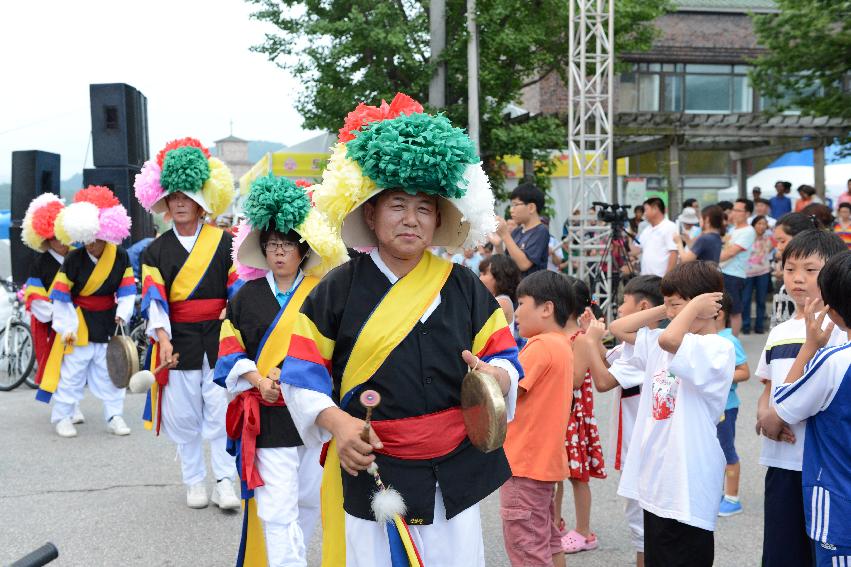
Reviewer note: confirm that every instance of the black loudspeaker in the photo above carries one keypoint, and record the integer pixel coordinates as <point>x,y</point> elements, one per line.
<point>120,181</point>
<point>119,125</point>
<point>22,256</point>
<point>33,172</point>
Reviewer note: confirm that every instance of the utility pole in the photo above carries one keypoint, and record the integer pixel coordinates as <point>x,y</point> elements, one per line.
<point>437,26</point>
<point>472,74</point>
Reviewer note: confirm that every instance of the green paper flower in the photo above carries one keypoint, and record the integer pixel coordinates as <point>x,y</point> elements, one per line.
<point>415,153</point>
<point>276,202</point>
<point>184,169</point>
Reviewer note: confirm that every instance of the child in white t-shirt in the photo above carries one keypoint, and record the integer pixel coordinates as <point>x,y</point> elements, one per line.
<point>785,540</point>
<point>616,371</point>
<point>675,467</point>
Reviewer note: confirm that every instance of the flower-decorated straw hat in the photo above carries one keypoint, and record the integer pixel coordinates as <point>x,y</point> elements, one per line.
<point>39,221</point>
<point>397,146</point>
<point>185,166</point>
<point>278,203</point>
<point>95,214</point>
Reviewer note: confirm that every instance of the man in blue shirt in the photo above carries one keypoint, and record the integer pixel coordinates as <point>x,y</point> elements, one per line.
<point>780,203</point>
<point>528,244</point>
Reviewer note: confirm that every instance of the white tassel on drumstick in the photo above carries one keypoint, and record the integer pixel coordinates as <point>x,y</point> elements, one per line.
<point>387,502</point>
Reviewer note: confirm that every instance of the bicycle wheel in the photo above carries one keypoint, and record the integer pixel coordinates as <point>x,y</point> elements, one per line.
<point>7,381</point>
<point>17,356</point>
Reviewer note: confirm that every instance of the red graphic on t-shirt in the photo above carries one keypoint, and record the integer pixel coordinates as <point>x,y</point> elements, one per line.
<point>664,394</point>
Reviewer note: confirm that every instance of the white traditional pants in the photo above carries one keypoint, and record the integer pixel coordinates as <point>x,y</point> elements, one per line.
<point>85,365</point>
<point>288,502</point>
<point>194,409</point>
<point>448,543</point>
<point>635,518</point>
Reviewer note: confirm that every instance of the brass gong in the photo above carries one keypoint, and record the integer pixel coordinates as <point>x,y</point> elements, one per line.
<point>122,359</point>
<point>484,411</point>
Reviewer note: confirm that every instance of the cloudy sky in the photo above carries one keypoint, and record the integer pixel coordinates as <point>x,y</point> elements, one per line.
<point>189,57</point>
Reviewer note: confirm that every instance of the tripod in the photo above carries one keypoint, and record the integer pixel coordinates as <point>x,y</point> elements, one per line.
<point>615,256</point>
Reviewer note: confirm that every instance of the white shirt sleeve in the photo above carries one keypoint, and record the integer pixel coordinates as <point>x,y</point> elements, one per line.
<point>125,307</point>
<point>42,310</point>
<point>305,406</point>
<point>234,382</point>
<point>625,369</point>
<point>157,319</point>
<point>670,245</point>
<point>812,392</point>
<point>705,361</point>
<point>64,318</point>
<point>514,376</point>
<point>762,366</point>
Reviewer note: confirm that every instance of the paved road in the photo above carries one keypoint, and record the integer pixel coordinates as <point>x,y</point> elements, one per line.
<point>108,501</point>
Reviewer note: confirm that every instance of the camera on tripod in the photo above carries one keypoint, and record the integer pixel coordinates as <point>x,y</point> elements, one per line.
<point>611,212</point>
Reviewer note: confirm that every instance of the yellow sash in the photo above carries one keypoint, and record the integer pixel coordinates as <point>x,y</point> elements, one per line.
<point>271,355</point>
<point>278,342</point>
<point>391,321</point>
<point>196,264</point>
<point>103,267</point>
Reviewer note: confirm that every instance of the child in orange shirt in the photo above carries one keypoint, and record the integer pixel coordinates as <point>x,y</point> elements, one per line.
<point>535,440</point>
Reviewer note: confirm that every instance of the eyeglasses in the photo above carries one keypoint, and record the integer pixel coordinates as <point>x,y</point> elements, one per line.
<point>280,246</point>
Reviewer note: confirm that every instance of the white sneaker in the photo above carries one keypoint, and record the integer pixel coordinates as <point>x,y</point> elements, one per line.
<point>196,496</point>
<point>65,428</point>
<point>78,416</point>
<point>117,426</point>
<point>224,497</point>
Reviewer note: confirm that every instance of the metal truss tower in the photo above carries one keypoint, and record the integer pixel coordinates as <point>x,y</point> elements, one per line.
<point>590,145</point>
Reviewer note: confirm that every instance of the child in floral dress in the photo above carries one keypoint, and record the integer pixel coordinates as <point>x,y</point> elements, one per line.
<point>582,439</point>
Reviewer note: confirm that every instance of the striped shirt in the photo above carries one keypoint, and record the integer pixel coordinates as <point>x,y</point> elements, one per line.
<point>822,396</point>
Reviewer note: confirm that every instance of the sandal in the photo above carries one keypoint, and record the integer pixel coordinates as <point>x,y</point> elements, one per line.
<point>574,542</point>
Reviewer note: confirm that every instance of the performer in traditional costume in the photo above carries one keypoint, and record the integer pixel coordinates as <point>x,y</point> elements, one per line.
<point>93,292</point>
<point>281,251</point>
<point>407,325</point>
<point>187,277</point>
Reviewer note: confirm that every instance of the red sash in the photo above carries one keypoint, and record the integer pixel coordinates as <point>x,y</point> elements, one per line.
<point>95,302</point>
<point>43,337</point>
<point>423,437</point>
<point>243,422</point>
<point>196,310</point>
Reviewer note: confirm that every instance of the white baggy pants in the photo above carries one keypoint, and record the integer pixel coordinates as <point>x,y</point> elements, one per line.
<point>194,409</point>
<point>85,365</point>
<point>288,502</point>
<point>448,543</point>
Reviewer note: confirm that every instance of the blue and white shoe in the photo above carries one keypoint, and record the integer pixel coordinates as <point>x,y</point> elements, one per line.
<point>729,508</point>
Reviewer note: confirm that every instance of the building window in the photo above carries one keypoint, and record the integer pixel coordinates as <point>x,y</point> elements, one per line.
<point>676,87</point>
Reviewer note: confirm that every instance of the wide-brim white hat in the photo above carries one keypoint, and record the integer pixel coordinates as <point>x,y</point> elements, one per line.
<point>160,206</point>
<point>251,254</point>
<point>451,233</point>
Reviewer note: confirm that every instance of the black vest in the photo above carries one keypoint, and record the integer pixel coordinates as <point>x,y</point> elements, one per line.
<point>251,311</point>
<point>193,340</point>
<point>421,376</point>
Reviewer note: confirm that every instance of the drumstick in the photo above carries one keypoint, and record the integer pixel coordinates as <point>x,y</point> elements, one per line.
<point>165,365</point>
<point>368,399</point>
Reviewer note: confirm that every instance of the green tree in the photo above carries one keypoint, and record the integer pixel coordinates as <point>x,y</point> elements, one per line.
<point>808,56</point>
<point>345,51</point>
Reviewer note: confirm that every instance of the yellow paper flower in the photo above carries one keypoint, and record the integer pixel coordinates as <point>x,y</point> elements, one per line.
<point>218,190</point>
<point>343,187</point>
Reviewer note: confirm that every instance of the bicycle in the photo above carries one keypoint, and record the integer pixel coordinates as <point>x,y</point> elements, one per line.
<point>17,355</point>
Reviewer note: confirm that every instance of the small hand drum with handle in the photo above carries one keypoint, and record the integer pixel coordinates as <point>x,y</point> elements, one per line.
<point>122,358</point>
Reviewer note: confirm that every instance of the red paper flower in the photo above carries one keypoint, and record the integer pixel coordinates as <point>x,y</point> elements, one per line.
<point>364,114</point>
<point>174,144</point>
<point>303,183</point>
<point>44,218</point>
<point>97,195</point>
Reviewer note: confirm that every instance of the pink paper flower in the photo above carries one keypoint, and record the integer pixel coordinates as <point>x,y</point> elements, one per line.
<point>246,273</point>
<point>147,185</point>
